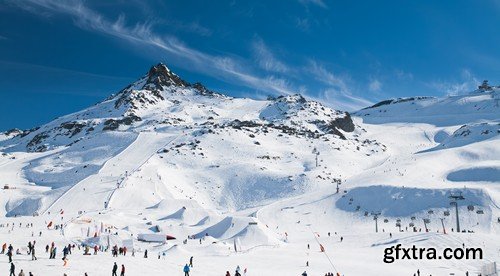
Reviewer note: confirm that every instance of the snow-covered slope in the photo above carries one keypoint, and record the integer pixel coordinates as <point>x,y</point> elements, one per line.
<point>262,177</point>
<point>452,110</point>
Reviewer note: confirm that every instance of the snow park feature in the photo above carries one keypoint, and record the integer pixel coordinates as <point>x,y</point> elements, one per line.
<point>165,174</point>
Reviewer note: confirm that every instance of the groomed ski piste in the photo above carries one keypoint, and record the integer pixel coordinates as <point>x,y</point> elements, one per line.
<point>259,184</point>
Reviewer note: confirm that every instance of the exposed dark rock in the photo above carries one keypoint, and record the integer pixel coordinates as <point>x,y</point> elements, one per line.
<point>113,124</point>
<point>34,144</point>
<point>344,123</point>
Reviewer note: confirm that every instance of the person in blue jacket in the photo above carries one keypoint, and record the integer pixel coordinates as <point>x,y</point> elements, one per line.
<point>186,270</point>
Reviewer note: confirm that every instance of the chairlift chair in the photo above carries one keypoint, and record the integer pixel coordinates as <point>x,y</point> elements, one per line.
<point>446,213</point>
<point>480,212</point>
<point>470,207</point>
<point>430,212</point>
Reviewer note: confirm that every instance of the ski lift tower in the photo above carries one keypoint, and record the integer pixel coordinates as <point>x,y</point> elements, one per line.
<point>316,152</point>
<point>454,201</point>
<point>375,218</point>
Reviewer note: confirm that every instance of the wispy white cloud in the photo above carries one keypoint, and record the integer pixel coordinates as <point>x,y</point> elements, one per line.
<point>303,24</point>
<point>192,27</point>
<point>374,85</point>
<point>226,68</point>
<point>319,3</point>
<point>337,91</point>
<point>266,58</point>
<point>333,88</point>
<point>51,69</point>
<point>321,74</point>
<point>467,83</point>
<point>403,75</point>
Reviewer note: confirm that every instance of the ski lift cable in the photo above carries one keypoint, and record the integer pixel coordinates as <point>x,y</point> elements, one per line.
<point>324,251</point>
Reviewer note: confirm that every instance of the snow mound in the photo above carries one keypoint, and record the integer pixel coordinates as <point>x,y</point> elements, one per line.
<point>227,228</point>
<point>179,214</point>
<point>471,133</point>
<point>104,240</point>
<point>255,235</point>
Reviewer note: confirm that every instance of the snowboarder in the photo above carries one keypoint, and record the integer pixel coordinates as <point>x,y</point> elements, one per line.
<point>186,270</point>
<point>115,268</point>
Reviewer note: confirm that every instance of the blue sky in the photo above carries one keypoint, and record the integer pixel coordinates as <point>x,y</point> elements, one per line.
<point>58,57</point>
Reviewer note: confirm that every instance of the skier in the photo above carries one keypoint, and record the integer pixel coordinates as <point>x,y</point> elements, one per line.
<point>123,271</point>
<point>191,261</point>
<point>12,269</point>
<point>54,252</point>
<point>115,268</point>
<point>227,273</point>
<point>33,257</point>
<point>65,251</point>
<point>146,254</point>
<point>21,273</point>
<point>9,254</point>
<point>186,270</point>
<point>304,274</point>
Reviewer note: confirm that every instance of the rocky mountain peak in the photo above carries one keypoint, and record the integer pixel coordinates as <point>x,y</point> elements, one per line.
<point>160,75</point>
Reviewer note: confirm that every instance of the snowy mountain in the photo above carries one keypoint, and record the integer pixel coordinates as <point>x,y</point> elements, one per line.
<point>190,124</point>
<point>163,156</point>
